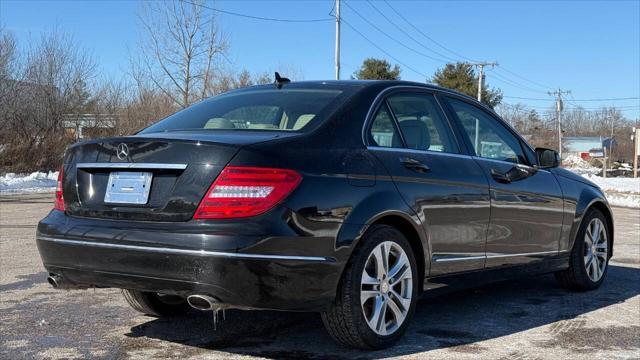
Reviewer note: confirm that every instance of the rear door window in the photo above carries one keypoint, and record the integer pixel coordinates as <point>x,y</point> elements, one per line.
<point>421,122</point>
<point>384,132</point>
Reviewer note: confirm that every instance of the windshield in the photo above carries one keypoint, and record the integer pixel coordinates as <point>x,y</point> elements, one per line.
<point>264,109</point>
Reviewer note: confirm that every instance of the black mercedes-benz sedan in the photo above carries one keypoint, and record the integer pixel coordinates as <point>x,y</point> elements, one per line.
<point>347,198</point>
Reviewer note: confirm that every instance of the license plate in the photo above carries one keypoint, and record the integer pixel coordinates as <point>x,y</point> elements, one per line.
<point>128,188</point>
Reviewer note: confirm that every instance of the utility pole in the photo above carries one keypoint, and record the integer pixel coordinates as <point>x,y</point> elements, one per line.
<point>636,150</point>
<point>559,107</point>
<point>480,66</point>
<point>337,39</point>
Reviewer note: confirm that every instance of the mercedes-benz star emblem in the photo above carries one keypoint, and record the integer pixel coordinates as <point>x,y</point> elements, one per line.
<point>123,151</point>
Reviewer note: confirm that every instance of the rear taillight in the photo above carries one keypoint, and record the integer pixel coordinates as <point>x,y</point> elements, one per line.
<point>246,191</point>
<point>59,203</point>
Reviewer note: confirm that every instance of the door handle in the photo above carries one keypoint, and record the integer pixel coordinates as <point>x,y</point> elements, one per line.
<point>500,176</point>
<point>414,165</point>
<point>516,173</point>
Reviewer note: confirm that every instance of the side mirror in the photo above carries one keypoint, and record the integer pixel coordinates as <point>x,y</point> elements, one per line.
<point>547,158</point>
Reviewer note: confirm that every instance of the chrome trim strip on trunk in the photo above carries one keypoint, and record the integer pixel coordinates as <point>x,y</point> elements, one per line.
<point>165,250</point>
<point>159,166</point>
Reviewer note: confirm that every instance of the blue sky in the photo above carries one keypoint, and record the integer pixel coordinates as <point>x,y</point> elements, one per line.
<point>589,47</point>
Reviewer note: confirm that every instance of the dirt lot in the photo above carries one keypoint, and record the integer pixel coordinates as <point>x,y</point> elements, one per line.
<point>525,319</point>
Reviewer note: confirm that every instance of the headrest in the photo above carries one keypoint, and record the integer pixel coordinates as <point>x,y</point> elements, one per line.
<point>219,123</point>
<point>416,134</point>
<point>302,121</point>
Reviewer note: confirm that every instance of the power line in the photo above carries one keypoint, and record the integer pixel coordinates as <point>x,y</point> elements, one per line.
<point>456,53</point>
<point>525,79</point>
<point>505,80</point>
<point>407,34</point>
<point>603,99</point>
<point>575,107</point>
<point>382,50</point>
<point>391,37</point>
<point>425,35</point>
<point>502,78</point>
<point>258,17</point>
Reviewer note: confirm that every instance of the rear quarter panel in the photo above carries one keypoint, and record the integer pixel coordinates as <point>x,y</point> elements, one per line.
<point>345,188</point>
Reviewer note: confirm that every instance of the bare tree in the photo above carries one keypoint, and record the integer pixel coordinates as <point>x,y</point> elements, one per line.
<point>49,81</point>
<point>180,50</point>
<point>230,80</point>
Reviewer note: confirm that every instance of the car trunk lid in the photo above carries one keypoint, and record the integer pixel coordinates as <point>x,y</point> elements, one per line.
<point>155,177</point>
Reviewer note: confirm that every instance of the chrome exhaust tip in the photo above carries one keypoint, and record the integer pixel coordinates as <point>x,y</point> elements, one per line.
<point>54,280</point>
<point>203,302</point>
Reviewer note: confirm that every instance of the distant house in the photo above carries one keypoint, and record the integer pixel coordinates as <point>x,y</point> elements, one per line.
<point>87,125</point>
<point>587,146</point>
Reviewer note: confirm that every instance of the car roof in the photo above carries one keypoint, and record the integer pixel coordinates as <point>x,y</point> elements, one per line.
<point>346,83</point>
<point>337,84</point>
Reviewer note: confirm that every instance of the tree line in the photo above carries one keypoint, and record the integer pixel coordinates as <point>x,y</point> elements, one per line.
<point>51,84</point>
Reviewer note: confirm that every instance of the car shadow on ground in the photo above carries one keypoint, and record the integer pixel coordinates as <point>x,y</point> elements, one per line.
<point>456,321</point>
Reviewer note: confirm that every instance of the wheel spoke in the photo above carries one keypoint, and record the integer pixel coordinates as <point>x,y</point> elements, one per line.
<point>368,279</point>
<point>377,311</point>
<point>386,251</point>
<point>367,294</point>
<point>380,320</point>
<point>378,255</point>
<point>399,270</point>
<point>594,268</point>
<point>403,303</point>
<point>405,274</point>
<point>588,259</point>
<point>588,238</point>
<point>398,314</point>
<point>596,231</point>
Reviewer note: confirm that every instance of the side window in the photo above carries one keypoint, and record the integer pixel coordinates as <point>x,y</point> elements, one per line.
<point>383,130</point>
<point>422,123</point>
<point>489,138</point>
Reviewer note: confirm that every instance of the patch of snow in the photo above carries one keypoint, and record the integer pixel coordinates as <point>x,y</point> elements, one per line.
<point>624,200</point>
<point>620,191</point>
<point>616,184</point>
<point>579,166</point>
<point>27,183</point>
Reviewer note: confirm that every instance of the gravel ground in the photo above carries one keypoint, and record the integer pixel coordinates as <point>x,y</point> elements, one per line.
<point>525,319</point>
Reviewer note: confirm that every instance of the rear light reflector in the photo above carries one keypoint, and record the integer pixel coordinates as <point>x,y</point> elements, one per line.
<point>59,202</point>
<point>246,191</point>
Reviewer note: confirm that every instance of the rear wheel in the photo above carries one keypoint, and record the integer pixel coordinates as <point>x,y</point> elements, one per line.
<point>377,294</point>
<point>156,304</point>
<point>590,255</point>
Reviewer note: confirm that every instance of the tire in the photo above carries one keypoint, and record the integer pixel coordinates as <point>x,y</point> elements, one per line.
<point>154,304</point>
<point>346,320</point>
<point>580,276</point>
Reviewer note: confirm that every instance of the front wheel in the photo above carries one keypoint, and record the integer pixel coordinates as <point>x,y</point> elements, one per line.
<point>377,294</point>
<point>590,255</point>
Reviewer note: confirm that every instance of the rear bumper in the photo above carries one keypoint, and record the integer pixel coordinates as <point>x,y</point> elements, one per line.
<point>95,253</point>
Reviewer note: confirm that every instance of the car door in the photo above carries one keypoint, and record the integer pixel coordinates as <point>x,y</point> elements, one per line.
<point>526,202</point>
<point>445,187</point>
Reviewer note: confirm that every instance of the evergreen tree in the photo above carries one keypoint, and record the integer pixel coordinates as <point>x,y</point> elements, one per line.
<point>461,77</point>
<point>377,69</point>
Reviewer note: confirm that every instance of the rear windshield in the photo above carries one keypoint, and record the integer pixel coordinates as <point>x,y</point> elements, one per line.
<point>265,109</point>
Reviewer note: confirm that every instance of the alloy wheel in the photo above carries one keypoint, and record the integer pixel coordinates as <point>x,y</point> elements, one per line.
<point>386,288</point>
<point>596,249</point>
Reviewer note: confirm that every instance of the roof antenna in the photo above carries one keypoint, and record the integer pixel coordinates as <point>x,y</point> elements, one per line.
<point>280,81</point>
